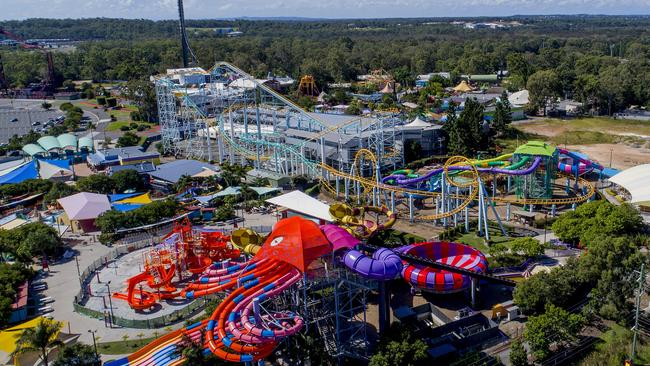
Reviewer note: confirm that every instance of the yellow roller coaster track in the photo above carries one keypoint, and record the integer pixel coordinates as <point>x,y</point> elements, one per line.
<point>368,183</point>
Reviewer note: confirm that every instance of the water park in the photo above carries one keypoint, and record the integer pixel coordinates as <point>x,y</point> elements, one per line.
<point>316,272</point>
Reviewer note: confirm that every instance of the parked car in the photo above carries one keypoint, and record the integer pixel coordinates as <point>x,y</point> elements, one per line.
<point>37,123</point>
<point>14,119</point>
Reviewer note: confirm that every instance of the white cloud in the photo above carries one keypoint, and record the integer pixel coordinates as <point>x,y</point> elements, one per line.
<point>166,9</point>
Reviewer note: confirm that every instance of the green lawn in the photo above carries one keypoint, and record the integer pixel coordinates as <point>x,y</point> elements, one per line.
<point>122,347</point>
<point>115,126</point>
<point>597,124</point>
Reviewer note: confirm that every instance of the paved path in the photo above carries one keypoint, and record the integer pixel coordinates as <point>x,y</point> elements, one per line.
<point>63,285</point>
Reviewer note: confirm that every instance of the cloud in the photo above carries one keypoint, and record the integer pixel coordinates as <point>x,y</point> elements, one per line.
<point>166,9</point>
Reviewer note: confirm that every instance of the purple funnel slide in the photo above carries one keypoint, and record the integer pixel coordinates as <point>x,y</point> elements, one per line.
<point>384,264</point>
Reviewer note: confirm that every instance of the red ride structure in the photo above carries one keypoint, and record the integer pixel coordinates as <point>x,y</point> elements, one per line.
<point>182,251</point>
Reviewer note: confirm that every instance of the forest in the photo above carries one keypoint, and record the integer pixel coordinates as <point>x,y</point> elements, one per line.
<point>599,60</point>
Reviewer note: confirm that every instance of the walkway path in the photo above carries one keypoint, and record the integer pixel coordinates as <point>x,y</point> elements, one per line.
<point>63,286</point>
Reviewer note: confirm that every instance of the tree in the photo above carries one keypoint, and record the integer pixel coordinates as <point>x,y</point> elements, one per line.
<point>98,183</point>
<point>554,326</point>
<point>101,100</point>
<point>194,353</point>
<point>518,355</point>
<point>413,151</point>
<point>45,105</point>
<point>11,277</point>
<point>400,349</point>
<point>527,246</point>
<point>143,94</point>
<point>260,182</point>
<point>224,212</point>
<point>58,190</point>
<point>502,115</point>
<point>544,88</point>
<point>42,338</point>
<point>128,179</point>
<point>456,144</point>
<point>111,102</point>
<point>128,139</point>
<point>78,354</point>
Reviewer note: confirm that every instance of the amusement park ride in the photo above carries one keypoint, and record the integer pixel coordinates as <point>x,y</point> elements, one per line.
<point>250,322</point>
<point>271,288</point>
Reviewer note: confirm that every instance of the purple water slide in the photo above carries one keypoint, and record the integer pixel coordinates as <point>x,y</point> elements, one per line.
<point>400,179</point>
<point>575,156</point>
<point>384,264</point>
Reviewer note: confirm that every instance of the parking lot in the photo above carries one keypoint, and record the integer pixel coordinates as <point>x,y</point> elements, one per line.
<point>22,121</point>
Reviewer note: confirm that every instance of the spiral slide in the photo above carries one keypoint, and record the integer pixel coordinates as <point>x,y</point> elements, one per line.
<point>401,180</point>
<point>582,166</point>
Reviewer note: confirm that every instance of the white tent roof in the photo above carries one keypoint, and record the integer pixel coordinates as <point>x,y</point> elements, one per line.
<point>635,180</point>
<point>304,204</point>
<point>47,170</point>
<point>519,98</point>
<point>417,122</point>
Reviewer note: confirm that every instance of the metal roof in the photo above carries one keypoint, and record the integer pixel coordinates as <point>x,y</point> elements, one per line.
<point>86,142</point>
<point>67,140</point>
<point>536,148</point>
<point>84,205</point>
<point>33,149</point>
<point>49,143</point>
<point>173,171</point>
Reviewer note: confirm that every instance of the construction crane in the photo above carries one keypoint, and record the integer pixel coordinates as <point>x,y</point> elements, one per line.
<point>48,82</point>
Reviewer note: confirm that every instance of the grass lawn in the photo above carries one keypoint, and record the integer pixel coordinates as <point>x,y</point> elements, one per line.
<point>115,126</point>
<point>596,124</point>
<point>579,131</point>
<point>122,347</point>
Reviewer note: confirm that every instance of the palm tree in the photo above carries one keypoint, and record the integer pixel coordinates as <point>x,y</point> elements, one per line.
<point>42,338</point>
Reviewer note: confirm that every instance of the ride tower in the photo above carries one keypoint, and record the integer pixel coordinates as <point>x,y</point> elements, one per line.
<point>539,183</point>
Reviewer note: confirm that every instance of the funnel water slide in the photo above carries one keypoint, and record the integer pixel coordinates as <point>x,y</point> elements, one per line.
<point>437,280</point>
<point>384,264</point>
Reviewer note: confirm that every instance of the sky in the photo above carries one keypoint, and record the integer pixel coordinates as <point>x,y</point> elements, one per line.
<point>202,9</point>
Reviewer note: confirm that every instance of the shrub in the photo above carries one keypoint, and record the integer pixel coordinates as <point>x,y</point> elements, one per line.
<point>111,102</point>
<point>101,100</point>
<point>125,128</point>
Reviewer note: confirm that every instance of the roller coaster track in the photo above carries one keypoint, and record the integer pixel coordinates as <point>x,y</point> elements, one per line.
<point>326,172</point>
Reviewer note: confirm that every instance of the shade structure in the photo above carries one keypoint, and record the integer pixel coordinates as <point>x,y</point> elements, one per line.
<point>20,173</point>
<point>635,180</point>
<point>296,241</point>
<point>303,203</point>
<point>417,122</point>
<point>437,280</point>
<point>33,149</point>
<point>67,141</point>
<point>141,199</point>
<point>125,207</point>
<point>49,143</point>
<point>84,205</point>
<point>463,87</point>
<point>54,168</point>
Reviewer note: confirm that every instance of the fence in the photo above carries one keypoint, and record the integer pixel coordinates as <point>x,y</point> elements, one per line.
<point>87,275</point>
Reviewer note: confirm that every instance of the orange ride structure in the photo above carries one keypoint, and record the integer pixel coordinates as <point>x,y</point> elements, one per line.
<point>183,251</point>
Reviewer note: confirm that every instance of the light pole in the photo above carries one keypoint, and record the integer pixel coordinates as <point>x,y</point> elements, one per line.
<point>94,341</point>
<point>611,154</point>
<point>545,217</point>
<point>110,302</point>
